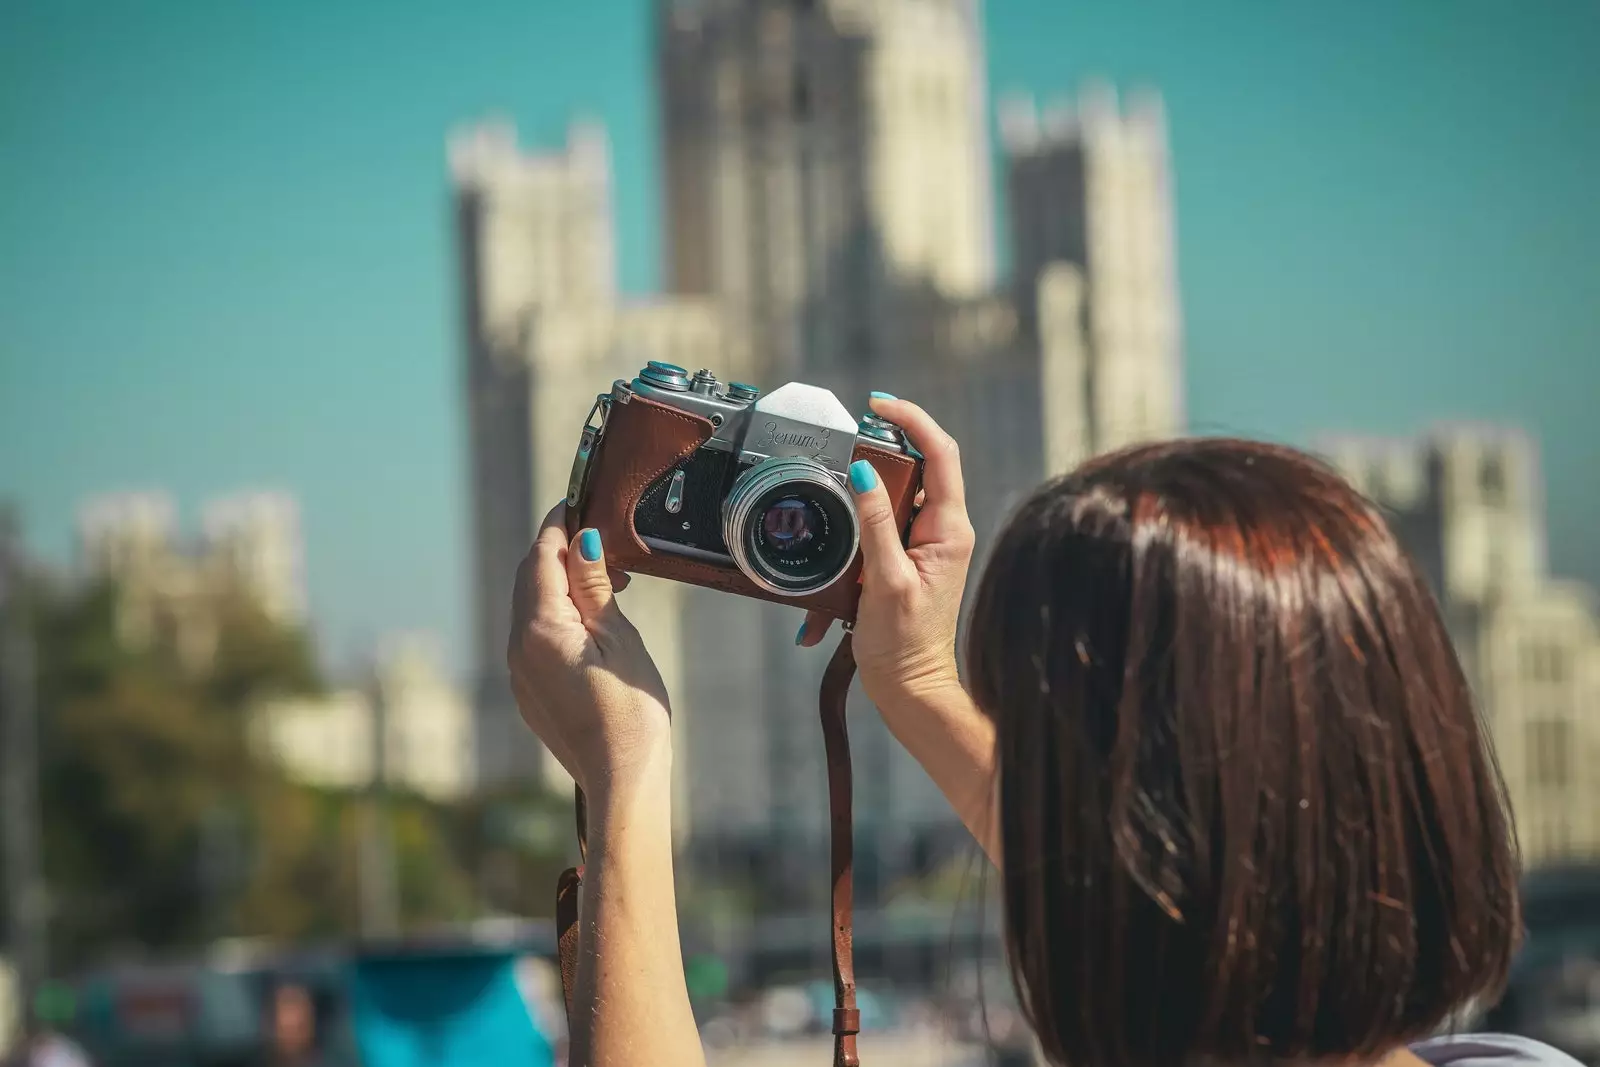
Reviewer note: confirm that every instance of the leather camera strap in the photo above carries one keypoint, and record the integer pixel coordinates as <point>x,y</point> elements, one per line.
<point>836,742</point>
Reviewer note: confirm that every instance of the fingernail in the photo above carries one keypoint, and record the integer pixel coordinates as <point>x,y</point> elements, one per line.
<point>883,396</point>
<point>862,477</point>
<point>800,635</point>
<point>589,545</point>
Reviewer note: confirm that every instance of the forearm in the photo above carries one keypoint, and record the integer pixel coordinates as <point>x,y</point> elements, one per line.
<point>632,1005</point>
<point>945,732</point>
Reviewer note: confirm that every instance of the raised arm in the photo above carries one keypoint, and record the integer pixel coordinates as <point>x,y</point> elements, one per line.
<point>905,633</point>
<point>588,688</point>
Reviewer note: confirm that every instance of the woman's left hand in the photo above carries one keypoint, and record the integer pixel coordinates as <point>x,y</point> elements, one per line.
<point>580,672</point>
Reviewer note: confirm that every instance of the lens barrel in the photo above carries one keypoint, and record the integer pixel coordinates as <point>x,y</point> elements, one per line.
<point>790,526</point>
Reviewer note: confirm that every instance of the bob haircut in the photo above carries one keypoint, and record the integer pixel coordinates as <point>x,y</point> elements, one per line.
<point>1247,810</point>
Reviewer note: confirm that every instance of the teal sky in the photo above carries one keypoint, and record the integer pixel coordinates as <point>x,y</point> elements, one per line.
<point>225,255</point>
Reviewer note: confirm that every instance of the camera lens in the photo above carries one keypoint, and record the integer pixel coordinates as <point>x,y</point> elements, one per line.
<point>790,526</point>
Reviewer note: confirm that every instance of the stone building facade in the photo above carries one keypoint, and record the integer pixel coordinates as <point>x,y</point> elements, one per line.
<point>828,208</point>
<point>1468,503</point>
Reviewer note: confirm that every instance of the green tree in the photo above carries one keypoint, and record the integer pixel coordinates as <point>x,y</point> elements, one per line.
<point>140,756</point>
<point>163,830</point>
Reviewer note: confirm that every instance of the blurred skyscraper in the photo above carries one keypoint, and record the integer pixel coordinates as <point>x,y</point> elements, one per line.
<point>828,208</point>
<point>545,332</point>
<point>1467,501</point>
<point>815,154</point>
<point>1091,224</point>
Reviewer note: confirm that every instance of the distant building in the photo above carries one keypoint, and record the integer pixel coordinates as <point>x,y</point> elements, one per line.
<point>1468,503</point>
<point>827,198</point>
<point>126,533</point>
<point>429,723</point>
<point>253,540</point>
<point>545,333</point>
<point>328,740</point>
<point>827,184</point>
<point>323,741</point>
<point>1092,230</point>
<point>815,153</point>
<point>173,589</point>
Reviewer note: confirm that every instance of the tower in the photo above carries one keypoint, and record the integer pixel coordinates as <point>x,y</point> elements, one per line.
<point>825,181</point>
<point>817,153</point>
<point>827,185</point>
<point>533,231</point>
<point>254,542</point>
<point>1095,261</point>
<point>827,198</point>
<point>545,332</point>
<point>1466,502</point>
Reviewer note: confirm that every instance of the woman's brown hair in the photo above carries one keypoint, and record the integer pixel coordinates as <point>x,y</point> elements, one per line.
<point>1247,810</point>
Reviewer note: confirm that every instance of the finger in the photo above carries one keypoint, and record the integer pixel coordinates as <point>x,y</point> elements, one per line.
<point>550,560</point>
<point>941,521</point>
<point>813,630</point>
<point>941,467</point>
<point>884,559</point>
<point>541,583</point>
<point>588,581</point>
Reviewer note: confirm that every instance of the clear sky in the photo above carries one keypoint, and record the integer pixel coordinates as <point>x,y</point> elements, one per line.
<point>225,255</point>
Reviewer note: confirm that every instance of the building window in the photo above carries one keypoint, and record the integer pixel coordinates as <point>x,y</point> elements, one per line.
<point>1549,754</point>
<point>1544,661</point>
<point>802,96</point>
<point>1492,479</point>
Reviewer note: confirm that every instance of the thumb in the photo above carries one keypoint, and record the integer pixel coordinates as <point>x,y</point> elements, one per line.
<point>588,581</point>
<point>884,560</point>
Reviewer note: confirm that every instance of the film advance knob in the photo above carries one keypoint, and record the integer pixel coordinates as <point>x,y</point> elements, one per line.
<point>665,376</point>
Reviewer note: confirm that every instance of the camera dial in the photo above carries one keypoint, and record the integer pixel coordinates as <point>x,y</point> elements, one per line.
<point>668,376</point>
<point>879,429</point>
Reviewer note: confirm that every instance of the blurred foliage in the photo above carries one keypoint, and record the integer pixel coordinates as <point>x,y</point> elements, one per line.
<point>162,831</point>
<point>962,879</point>
<point>517,842</point>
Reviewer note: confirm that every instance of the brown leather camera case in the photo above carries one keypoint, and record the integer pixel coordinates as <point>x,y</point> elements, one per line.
<point>643,440</point>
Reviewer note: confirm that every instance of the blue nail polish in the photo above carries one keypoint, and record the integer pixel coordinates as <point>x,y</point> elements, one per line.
<point>800,635</point>
<point>883,396</point>
<point>863,478</point>
<point>589,545</point>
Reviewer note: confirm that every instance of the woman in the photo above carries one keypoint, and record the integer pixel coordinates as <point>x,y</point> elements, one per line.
<point>1213,735</point>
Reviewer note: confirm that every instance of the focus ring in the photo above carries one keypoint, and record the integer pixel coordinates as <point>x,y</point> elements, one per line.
<point>748,490</point>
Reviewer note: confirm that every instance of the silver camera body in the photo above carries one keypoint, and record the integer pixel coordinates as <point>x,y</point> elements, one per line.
<point>767,491</point>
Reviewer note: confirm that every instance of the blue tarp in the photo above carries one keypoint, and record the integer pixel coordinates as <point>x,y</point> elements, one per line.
<point>443,1011</point>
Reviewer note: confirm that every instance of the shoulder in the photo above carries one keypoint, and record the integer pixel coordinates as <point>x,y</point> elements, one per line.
<point>1490,1050</point>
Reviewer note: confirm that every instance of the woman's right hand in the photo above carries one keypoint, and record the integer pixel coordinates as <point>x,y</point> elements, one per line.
<point>905,632</point>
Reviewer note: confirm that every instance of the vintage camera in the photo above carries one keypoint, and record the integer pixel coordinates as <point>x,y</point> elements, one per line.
<point>718,485</point>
